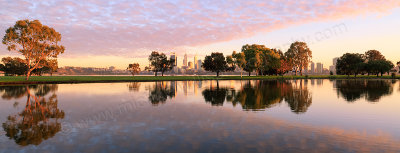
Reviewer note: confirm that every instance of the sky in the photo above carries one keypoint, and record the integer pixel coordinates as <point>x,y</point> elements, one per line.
<point>103,33</point>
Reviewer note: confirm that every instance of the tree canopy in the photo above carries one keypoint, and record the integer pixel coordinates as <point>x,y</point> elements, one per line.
<point>13,66</point>
<point>134,68</point>
<point>350,64</point>
<point>36,42</point>
<point>215,63</point>
<point>159,63</point>
<point>301,56</point>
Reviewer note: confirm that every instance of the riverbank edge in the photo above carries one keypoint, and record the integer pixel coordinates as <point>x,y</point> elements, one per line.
<point>20,80</point>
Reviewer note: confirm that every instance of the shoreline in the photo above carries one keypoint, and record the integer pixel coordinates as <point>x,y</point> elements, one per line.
<point>20,80</point>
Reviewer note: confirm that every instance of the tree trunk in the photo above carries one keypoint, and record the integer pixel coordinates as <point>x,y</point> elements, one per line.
<point>301,73</point>
<point>355,75</point>
<point>217,73</point>
<point>162,73</point>
<point>241,74</point>
<point>155,73</point>
<point>249,73</point>
<point>28,74</point>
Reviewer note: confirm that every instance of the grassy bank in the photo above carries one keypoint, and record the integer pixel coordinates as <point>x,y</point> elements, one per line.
<point>5,80</point>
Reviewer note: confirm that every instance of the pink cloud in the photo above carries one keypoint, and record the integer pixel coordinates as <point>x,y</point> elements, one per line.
<point>99,27</point>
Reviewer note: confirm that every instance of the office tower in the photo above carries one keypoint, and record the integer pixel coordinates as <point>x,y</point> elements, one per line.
<point>185,61</point>
<point>312,67</point>
<point>173,56</point>
<point>319,68</point>
<point>195,61</point>
<point>334,61</point>
<point>191,65</point>
<point>199,63</point>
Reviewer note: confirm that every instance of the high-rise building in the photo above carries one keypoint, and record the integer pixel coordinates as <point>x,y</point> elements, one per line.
<point>173,56</point>
<point>334,61</point>
<point>195,61</point>
<point>191,65</point>
<point>185,61</point>
<point>312,67</point>
<point>199,63</point>
<point>320,68</point>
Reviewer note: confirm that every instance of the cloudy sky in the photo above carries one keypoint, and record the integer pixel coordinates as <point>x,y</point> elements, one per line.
<point>114,33</point>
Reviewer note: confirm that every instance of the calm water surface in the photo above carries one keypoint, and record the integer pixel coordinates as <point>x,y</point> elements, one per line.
<point>202,116</point>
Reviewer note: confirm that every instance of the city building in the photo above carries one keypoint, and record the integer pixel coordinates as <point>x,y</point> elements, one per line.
<point>173,56</point>
<point>195,62</point>
<point>320,68</point>
<point>199,63</point>
<point>191,65</point>
<point>334,62</point>
<point>185,61</point>
<point>312,67</point>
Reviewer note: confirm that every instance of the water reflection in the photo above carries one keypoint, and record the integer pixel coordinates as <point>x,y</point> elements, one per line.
<point>260,95</point>
<point>40,118</point>
<point>372,90</point>
<point>215,96</point>
<point>160,92</point>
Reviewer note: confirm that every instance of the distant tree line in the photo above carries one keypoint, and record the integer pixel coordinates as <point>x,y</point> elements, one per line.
<point>372,62</point>
<point>262,60</point>
<point>17,67</point>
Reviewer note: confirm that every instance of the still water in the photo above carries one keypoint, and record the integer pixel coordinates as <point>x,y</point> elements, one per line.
<point>202,116</point>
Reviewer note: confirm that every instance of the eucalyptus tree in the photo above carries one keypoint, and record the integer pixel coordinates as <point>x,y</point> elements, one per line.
<point>301,56</point>
<point>36,42</point>
<point>133,68</point>
<point>215,62</point>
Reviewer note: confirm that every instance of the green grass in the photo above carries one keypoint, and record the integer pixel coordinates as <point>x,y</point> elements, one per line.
<point>88,79</point>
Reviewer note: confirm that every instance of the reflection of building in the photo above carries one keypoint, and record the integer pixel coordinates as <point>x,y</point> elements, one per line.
<point>173,88</point>
<point>185,87</point>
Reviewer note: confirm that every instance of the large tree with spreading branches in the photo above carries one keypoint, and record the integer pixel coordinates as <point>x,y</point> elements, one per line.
<point>36,42</point>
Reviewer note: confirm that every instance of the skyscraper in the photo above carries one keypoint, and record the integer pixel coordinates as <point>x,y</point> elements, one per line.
<point>312,67</point>
<point>320,68</point>
<point>195,61</point>
<point>185,61</point>
<point>191,65</point>
<point>199,63</point>
<point>334,62</point>
<point>173,56</point>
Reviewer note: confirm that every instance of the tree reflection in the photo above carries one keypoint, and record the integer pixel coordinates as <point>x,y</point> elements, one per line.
<point>299,98</point>
<point>16,92</point>
<point>160,93</point>
<point>215,96</point>
<point>39,120</point>
<point>372,90</point>
<point>134,86</point>
<point>260,95</point>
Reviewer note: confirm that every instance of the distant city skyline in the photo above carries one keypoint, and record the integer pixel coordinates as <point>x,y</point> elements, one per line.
<point>105,33</point>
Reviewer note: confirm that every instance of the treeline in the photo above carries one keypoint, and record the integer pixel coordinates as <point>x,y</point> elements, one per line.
<point>262,60</point>
<point>17,66</point>
<point>372,62</point>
